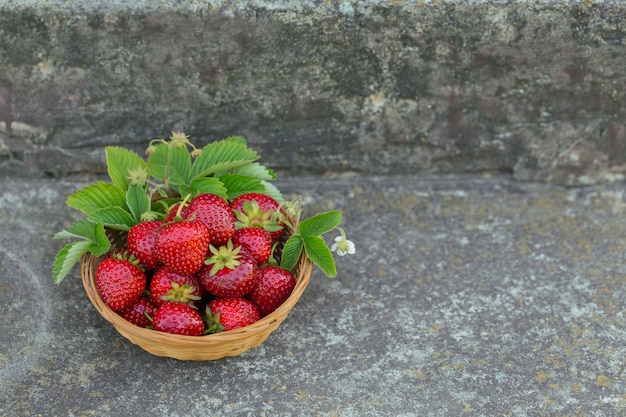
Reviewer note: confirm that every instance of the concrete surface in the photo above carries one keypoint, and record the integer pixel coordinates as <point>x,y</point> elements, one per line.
<point>477,296</point>
<point>532,88</point>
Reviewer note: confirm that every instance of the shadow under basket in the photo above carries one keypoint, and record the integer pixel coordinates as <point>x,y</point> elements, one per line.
<point>199,348</point>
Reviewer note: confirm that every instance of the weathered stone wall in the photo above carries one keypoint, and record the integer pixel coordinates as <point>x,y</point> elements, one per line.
<point>377,87</point>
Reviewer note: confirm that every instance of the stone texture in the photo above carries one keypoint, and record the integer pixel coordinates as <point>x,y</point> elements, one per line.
<point>374,87</point>
<point>477,296</point>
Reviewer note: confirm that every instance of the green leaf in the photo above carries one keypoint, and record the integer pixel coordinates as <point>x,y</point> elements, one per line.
<point>119,162</point>
<point>97,196</point>
<point>320,223</point>
<point>240,184</point>
<point>67,258</point>
<point>319,253</point>
<point>256,170</point>
<point>114,217</point>
<point>100,243</point>
<point>82,229</point>
<point>291,252</point>
<point>94,240</point>
<point>272,191</point>
<point>158,161</point>
<point>137,201</point>
<point>207,185</point>
<point>221,156</point>
<point>88,231</point>
<point>180,166</point>
<point>237,139</point>
<point>170,165</point>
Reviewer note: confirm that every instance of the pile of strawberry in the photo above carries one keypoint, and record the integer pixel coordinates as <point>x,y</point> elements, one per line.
<point>205,268</point>
<point>202,228</point>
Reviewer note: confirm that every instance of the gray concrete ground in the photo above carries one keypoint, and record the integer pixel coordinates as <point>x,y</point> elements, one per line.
<point>476,296</point>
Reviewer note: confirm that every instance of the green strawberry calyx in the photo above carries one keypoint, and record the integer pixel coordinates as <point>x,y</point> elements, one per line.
<point>226,256</point>
<point>253,216</point>
<point>213,324</point>
<point>182,294</point>
<point>125,255</point>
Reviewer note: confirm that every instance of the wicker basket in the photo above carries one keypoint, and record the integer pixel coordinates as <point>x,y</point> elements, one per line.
<point>199,348</point>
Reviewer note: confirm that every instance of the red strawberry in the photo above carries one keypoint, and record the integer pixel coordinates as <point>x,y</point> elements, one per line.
<point>215,213</point>
<point>119,253</point>
<point>183,246</point>
<point>274,286</point>
<point>167,285</point>
<point>119,282</point>
<point>256,241</point>
<point>265,202</point>
<point>229,271</point>
<point>178,318</point>
<point>258,210</point>
<point>136,312</point>
<point>173,211</point>
<point>141,240</point>
<point>225,314</point>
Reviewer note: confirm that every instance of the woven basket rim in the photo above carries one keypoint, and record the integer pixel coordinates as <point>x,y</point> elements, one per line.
<point>207,347</point>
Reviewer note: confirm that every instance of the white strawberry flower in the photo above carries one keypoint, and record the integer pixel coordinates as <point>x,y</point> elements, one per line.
<point>342,245</point>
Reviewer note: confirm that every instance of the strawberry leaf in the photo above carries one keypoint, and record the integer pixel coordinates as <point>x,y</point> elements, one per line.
<point>256,170</point>
<point>114,217</point>
<point>240,184</point>
<point>137,201</point>
<point>237,139</point>
<point>320,223</point>
<point>90,232</point>
<point>82,229</point>
<point>97,196</point>
<point>119,162</point>
<point>100,244</point>
<point>180,166</point>
<point>319,253</point>
<point>169,164</point>
<point>67,258</point>
<point>207,185</point>
<point>93,239</point>
<point>220,157</point>
<point>272,191</point>
<point>157,161</point>
<point>291,252</point>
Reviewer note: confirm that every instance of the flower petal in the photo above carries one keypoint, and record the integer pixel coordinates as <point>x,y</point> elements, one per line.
<point>351,247</point>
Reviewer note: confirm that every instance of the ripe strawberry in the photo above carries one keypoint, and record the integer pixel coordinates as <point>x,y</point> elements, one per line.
<point>119,253</point>
<point>258,210</point>
<point>136,312</point>
<point>225,314</point>
<point>215,213</point>
<point>183,246</point>
<point>265,202</point>
<point>173,211</point>
<point>229,271</point>
<point>167,285</point>
<point>141,241</point>
<point>178,318</point>
<point>256,241</point>
<point>119,282</point>
<point>274,286</point>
